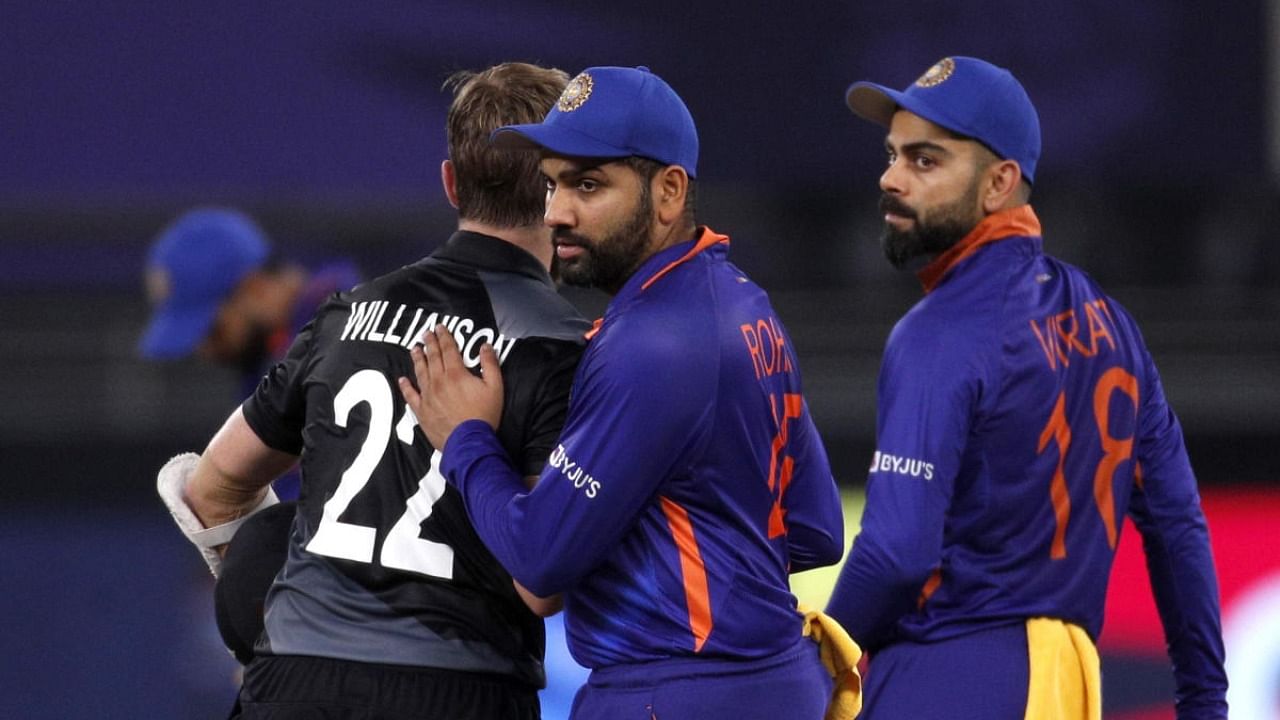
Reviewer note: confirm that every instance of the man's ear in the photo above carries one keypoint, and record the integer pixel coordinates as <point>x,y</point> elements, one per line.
<point>1002,189</point>
<point>670,187</point>
<point>449,178</point>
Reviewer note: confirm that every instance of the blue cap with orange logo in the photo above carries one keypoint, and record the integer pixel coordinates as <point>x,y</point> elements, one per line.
<point>965,95</point>
<point>193,266</point>
<point>613,112</point>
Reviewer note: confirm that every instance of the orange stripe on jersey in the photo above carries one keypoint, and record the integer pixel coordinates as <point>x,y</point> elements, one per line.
<point>692,570</point>
<point>709,238</point>
<point>1021,220</point>
<point>595,328</point>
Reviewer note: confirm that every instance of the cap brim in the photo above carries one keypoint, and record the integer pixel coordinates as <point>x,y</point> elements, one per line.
<point>174,332</point>
<point>553,138</point>
<point>873,102</point>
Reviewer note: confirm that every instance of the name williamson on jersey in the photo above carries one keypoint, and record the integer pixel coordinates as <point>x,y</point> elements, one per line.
<point>407,325</point>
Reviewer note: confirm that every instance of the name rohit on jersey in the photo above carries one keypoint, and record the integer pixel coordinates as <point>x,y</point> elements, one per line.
<point>365,323</point>
<point>884,462</point>
<point>573,472</point>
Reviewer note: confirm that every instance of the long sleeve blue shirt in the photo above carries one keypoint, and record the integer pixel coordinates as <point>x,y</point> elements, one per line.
<point>1020,417</point>
<point>688,482</point>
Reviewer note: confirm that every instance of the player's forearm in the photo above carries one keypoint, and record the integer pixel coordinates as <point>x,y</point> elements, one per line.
<point>475,463</point>
<point>1185,588</point>
<point>217,497</point>
<point>537,536</point>
<point>874,590</point>
<point>233,473</point>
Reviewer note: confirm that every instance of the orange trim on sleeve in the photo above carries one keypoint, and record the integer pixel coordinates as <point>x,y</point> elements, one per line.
<point>1019,221</point>
<point>693,571</point>
<point>709,238</point>
<point>595,328</point>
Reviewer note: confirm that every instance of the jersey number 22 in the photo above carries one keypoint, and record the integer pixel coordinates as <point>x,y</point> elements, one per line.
<point>402,549</point>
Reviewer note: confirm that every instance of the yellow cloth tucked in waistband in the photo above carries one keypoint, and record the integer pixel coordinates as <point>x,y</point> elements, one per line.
<point>840,656</point>
<point>1066,682</point>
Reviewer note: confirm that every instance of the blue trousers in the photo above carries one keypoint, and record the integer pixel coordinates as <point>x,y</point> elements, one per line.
<point>980,676</point>
<point>791,684</point>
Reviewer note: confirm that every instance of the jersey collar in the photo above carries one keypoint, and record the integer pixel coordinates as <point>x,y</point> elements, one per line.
<point>662,262</point>
<point>1013,222</point>
<point>491,253</point>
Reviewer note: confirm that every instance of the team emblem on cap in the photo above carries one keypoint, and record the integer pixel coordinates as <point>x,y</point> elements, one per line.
<point>937,74</point>
<point>575,93</point>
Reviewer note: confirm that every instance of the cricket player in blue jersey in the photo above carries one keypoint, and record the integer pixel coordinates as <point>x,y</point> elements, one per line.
<point>689,480</point>
<point>1020,419</point>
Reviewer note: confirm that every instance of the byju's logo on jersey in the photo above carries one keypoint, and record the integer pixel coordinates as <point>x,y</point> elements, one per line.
<point>573,472</point>
<point>886,463</point>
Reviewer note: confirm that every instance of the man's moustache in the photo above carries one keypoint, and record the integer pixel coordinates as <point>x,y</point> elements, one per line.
<point>890,204</point>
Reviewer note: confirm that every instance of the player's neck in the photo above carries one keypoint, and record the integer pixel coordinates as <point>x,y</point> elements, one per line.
<point>533,239</point>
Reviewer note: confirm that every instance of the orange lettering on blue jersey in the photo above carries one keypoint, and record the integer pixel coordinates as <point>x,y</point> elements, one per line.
<point>1115,450</point>
<point>780,465</point>
<point>1052,352</point>
<point>1069,329</point>
<point>1098,328</point>
<point>1059,431</point>
<point>753,347</point>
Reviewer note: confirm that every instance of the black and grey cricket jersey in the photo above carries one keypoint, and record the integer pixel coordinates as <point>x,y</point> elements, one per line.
<point>383,565</point>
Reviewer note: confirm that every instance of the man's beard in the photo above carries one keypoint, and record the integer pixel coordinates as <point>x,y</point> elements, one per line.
<point>946,226</point>
<point>608,263</point>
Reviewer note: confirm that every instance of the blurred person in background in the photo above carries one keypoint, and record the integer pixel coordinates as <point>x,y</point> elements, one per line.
<point>388,605</point>
<point>1020,418</point>
<point>219,292</point>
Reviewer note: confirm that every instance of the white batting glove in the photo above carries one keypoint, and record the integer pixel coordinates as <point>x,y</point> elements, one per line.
<point>171,483</point>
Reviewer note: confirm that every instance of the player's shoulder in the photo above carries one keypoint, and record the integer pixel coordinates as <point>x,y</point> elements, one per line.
<point>653,337</point>
<point>528,307</point>
<point>1086,289</point>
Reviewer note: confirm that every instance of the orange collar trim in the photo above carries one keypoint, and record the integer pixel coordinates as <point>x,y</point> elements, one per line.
<point>1014,222</point>
<point>707,239</point>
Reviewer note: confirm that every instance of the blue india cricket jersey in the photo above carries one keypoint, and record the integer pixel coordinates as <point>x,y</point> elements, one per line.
<point>1020,419</point>
<point>688,481</point>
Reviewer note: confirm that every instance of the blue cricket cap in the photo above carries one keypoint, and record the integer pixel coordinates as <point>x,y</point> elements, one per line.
<point>193,266</point>
<point>613,112</point>
<point>968,96</point>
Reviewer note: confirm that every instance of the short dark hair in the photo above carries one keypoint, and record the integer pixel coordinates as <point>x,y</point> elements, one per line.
<point>647,169</point>
<point>499,187</point>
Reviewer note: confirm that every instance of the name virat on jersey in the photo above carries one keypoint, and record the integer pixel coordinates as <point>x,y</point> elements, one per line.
<point>407,327</point>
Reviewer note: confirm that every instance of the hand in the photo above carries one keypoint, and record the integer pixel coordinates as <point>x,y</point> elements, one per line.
<point>446,393</point>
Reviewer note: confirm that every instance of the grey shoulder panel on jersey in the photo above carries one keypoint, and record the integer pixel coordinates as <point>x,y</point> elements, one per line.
<point>524,307</point>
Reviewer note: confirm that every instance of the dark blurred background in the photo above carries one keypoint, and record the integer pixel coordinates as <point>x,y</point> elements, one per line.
<point>324,120</point>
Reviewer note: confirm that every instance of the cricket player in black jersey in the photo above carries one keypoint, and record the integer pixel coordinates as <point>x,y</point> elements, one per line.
<point>388,604</point>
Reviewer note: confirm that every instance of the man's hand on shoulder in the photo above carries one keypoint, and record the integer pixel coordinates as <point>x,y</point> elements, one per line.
<point>446,394</point>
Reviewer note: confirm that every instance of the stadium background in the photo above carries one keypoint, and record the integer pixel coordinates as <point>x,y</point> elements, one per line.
<point>1160,175</point>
